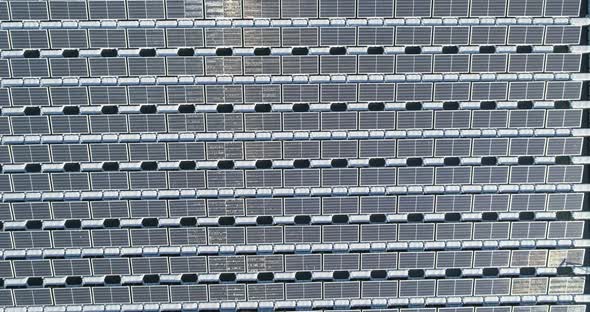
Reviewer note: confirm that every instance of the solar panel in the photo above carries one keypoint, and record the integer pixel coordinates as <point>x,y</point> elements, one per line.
<point>450,8</point>
<point>225,207</point>
<point>455,287</point>
<point>525,8</point>
<point>411,35</point>
<point>454,259</point>
<point>234,292</point>
<point>184,9</point>
<point>183,37</point>
<point>375,35</point>
<point>188,293</point>
<point>337,8</point>
<point>453,203</point>
<point>410,8</point>
<point>26,297</point>
<point>99,9</point>
<point>496,286</point>
<point>496,258</point>
<point>264,235</point>
<point>379,261</point>
<point>526,63</point>
<point>450,63</point>
<point>27,268</point>
<point>69,267</point>
<point>142,294</point>
<point>35,239</point>
<point>72,296</point>
<point>266,292</point>
<point>419,203</point>
<point>562,7</point>
<point>306,290</point>
<point>28,10</point>
<point>24,211</point>
<point>416,232</point>
<point>117,294</point>
<point>483,35</point>
<point>68,38</point>
<point>143,38</point>
<point>409,289</point>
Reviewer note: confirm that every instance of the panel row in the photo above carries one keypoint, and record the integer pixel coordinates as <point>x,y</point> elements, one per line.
<point>288,36</point>
<point>294,291</point>
<point>291,121</point>
<point>210,9</point>
<point>293,234</point>
<point>309,65</point>
<point>516,308</point>
<point>289,93</point>
<point>292,263</point>
<point>276,150</point>
<point>351,205</point>
<point>289,178</point>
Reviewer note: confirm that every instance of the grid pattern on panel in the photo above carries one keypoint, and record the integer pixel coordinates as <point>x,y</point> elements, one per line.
<point>346,155</point>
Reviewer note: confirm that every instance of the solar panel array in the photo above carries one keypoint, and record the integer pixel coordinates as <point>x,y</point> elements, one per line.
<point>346,155</point>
